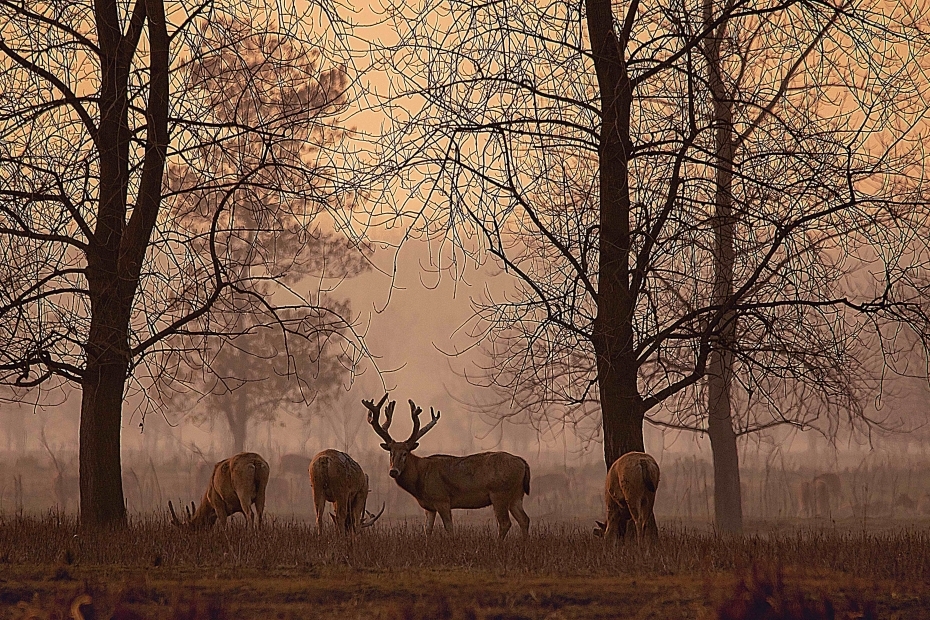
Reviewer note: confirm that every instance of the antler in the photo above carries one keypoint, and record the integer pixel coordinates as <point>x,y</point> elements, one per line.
<point>372,518</point>
<point>374,414</point>
<point>415,414</point>
<point>388,415</point>
<point>174,516</point>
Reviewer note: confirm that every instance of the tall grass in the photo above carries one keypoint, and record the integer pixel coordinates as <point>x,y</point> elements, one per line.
<point>551,549</point>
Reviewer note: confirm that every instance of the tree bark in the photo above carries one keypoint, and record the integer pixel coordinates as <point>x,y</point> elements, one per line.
<point>728,508</point>
<point>116,250</point>
<point>238,421</point>
<point>621,404</point>
<point>237,416</point>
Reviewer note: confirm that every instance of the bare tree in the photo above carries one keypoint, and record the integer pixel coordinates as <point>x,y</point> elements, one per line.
<point>582,151</point>
<point>246,380</point>
<point>129,188</point>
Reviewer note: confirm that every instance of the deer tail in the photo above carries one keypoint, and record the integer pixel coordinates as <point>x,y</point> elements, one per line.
<point>324,466</point>
<point>262,473</point>
<point>651,484</point>
<point>526,477</point>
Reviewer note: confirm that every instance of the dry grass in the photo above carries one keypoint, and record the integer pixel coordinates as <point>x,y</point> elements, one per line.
<point>395,571</point>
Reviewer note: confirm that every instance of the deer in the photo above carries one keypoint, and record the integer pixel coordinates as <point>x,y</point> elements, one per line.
<point>66,487</point>
<point>442,482</point>
<point>630,495</point>
<point>820,497</point>
<point>337,478</point>
<point>236,484</point>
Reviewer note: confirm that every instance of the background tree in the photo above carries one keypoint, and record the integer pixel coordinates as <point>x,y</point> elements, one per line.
<point>103,254</point>
<point>254,375</point>
<point>581,150</point>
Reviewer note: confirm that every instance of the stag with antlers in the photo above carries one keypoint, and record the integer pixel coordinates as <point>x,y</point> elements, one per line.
<point>442,482</point>
<point>337,478</point>
<point>236,484</point>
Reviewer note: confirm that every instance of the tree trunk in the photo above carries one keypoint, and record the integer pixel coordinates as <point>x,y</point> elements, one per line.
<point>728,501</point>
<point>116,250</point>
<point>621,404</point>
<point>102,501</point>
<point>728,508</point>
<point>238,426</point>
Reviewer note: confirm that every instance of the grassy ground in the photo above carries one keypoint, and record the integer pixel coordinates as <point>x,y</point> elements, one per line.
<point>153,570</point>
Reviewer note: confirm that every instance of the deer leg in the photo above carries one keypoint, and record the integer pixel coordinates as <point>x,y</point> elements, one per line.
<point>342,516</point>
<point>220,508</point>
<point>430,521</point>
<point>260,507</point>
<point>357,513</point>
<point>617,518</point>
<point>503,518</point>
<point>639,520</point>
<point>319,504</point>
<point>445,513</point>
<point>516,509</point>
<point>647,512</point>
<point>245,503</point>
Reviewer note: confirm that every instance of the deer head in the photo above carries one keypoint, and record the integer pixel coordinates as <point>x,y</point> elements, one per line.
<point>368,519</point>
<point>204,516</point>
<point>399,450</point>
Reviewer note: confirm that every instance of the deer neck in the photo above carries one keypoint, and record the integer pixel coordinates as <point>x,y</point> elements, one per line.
<point>205,513</point>
<point>409,479</point>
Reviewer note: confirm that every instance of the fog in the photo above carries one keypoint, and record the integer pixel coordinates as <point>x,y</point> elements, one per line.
<point>410,332</point>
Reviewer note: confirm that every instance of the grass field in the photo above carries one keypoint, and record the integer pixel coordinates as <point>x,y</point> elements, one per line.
<point>154,570</point>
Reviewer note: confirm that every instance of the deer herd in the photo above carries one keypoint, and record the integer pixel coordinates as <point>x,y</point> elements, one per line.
<point>439,483</point>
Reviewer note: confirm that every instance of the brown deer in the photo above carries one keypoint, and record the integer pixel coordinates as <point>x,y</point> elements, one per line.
<point>337,478</point>
<point>66,487</point>
<point>236,484</point>
<point>441,482</point>
<point>630,495</point>
<point>820,497</point>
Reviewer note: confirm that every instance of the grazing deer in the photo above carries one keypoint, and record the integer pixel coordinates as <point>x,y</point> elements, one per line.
<point>337,478</point>
<point>294,464</point>
<point>820,497</point>
<point>236,484</point>
<point>630,495</point>
<point>553,490</point>
<point>66,487</point>
<point>442,482</point>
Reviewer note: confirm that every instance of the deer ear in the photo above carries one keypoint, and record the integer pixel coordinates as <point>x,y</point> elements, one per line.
<point>413,446</point>
<point>386,447</point>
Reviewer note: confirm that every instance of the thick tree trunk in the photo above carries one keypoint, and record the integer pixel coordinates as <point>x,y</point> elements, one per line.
<point>102,501</point>
<point>728,507</point>
<point>621,411</point>
<point>238,427</point>
<point>238,430</point>
<point>117,249</point>
<point>621,404</point>
<point>728,501</point>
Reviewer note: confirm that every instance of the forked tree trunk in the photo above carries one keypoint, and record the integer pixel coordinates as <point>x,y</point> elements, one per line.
<point>238,422</point>
<point>728,503</point>
<point>621,404</point>
<point>116,250</point>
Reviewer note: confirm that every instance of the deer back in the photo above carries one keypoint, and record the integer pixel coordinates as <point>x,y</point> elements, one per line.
<point>244,475</point>
<point>337,476</point>
<point>466,481</point>
<point>632,477</point>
